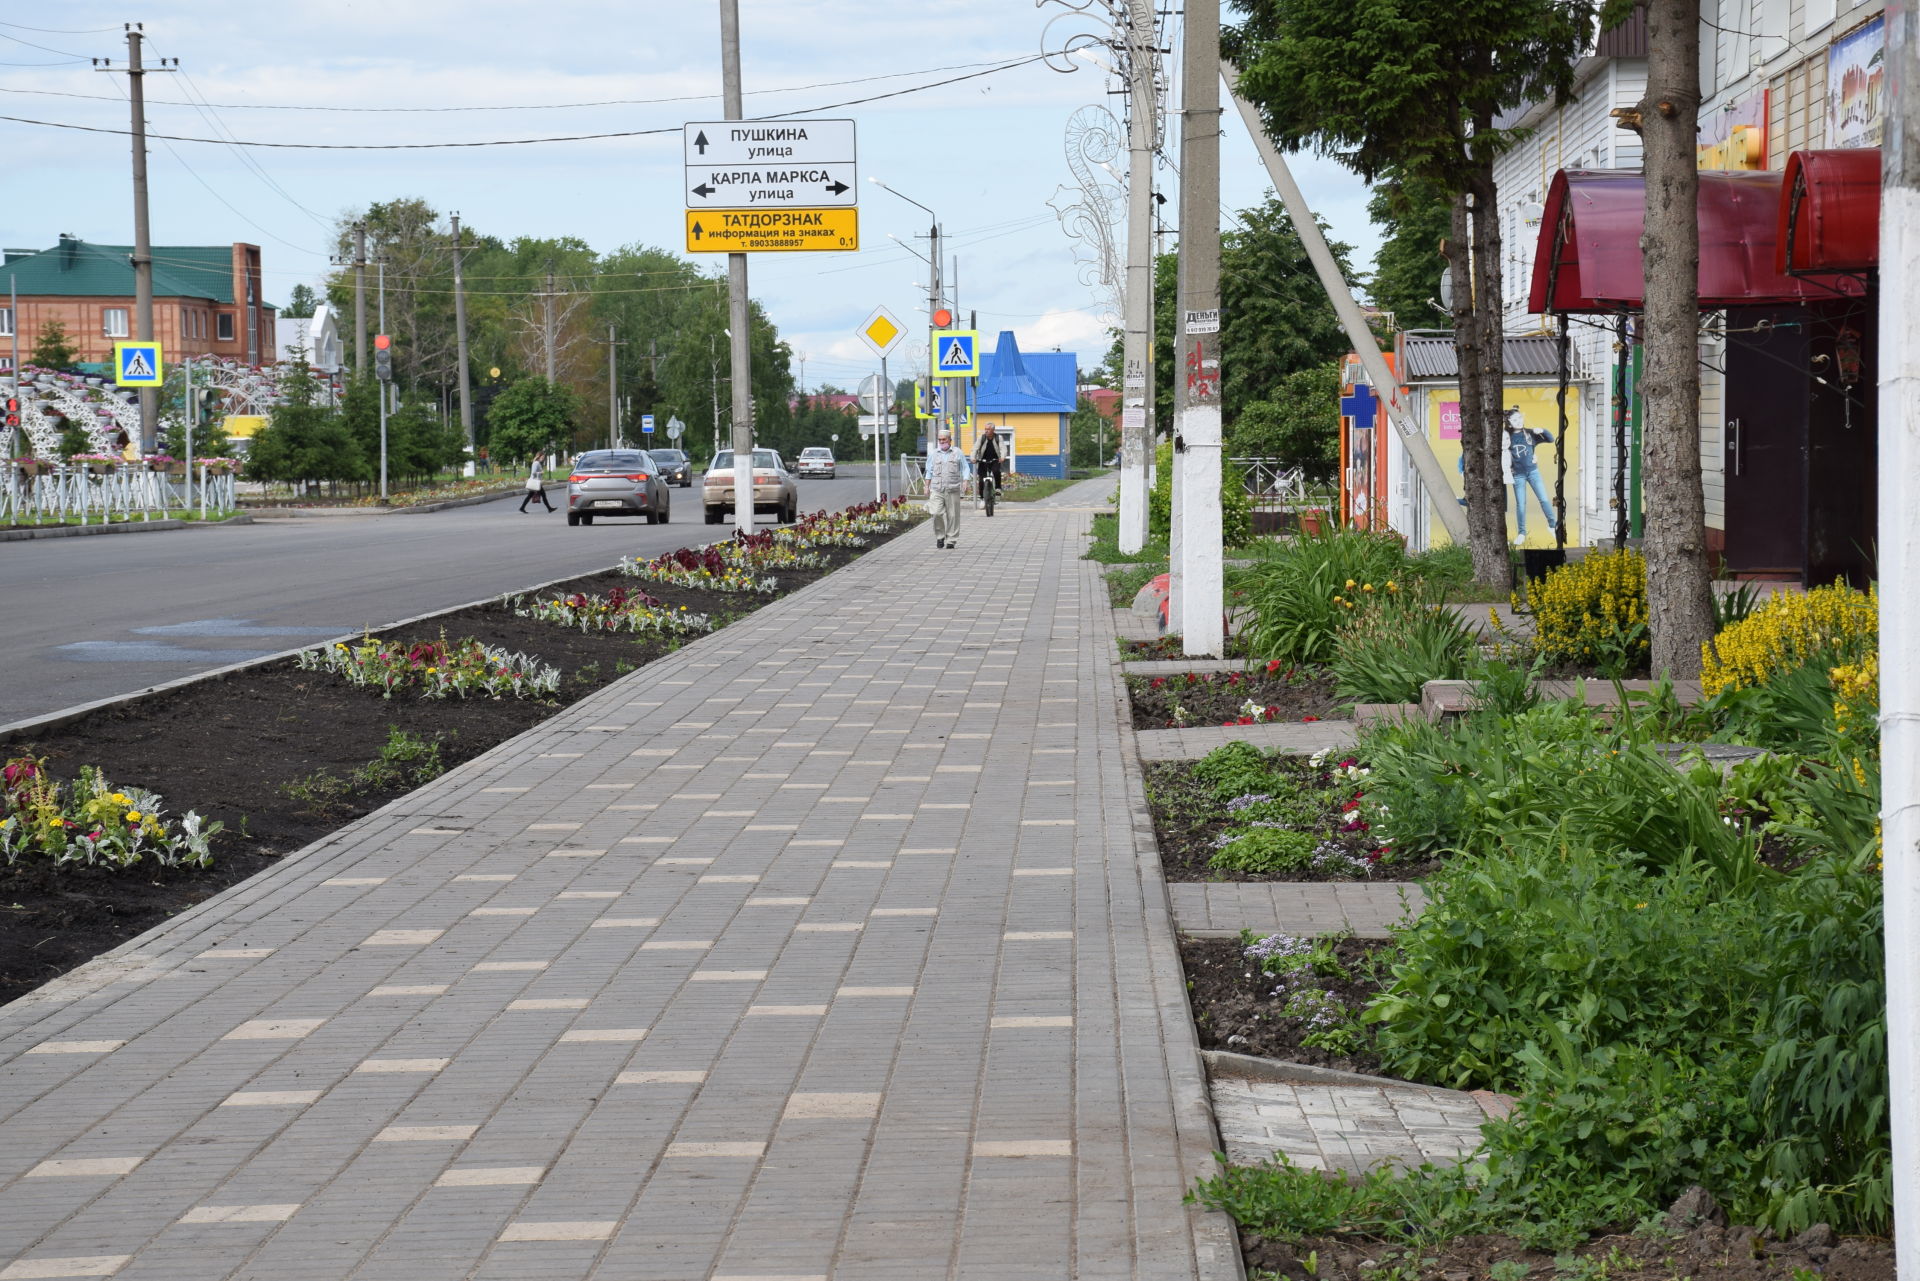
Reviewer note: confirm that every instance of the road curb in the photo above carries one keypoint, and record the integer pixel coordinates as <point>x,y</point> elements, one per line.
<point>126,527</point>
<point>334,513</point>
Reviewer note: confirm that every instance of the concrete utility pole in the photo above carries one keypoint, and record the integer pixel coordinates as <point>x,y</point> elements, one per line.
<point>1136,378</point>
<point>546,329</point>
<point>1413,435</point>
<point>713,369</point>
<point>460,348</point>
<point>382,388</point>
<point>613,391</point>
<point>142,242</point>
<point>359,299</point>
<point>1899,409</point>
<point>1196,467</point>
<point>738,319</point>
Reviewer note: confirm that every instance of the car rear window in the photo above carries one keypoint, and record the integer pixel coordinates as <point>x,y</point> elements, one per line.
<point>669,456</point>
<point>611,460</point>
<point>816,453</point>
<point>762,458</point>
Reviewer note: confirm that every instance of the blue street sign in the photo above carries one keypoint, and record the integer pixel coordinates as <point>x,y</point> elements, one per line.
<point>956,353</point>
<point>137,364</point>
<point>646,424</point>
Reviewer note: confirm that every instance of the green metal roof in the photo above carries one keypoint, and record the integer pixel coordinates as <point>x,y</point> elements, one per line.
<point>84,269</point>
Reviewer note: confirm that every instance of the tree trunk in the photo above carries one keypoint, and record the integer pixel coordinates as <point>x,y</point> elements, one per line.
<point>1488,302</point>
<point>1679,600</point>
<point>1486,501</point>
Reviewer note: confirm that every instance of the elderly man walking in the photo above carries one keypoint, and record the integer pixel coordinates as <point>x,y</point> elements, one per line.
<point>946,476</point>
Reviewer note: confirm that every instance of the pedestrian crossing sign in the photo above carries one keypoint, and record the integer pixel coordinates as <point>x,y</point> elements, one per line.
<point>956,353</point>
<point>136,364</point>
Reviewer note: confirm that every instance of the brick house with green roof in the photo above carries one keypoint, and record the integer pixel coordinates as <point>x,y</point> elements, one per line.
<point>206,299</point>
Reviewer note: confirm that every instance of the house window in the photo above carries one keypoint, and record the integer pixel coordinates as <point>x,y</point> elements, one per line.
<point>113,322</point>
<point>223,326</point>
<point>6,322</point>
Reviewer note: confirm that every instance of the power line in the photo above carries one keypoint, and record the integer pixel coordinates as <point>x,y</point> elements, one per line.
<point>44,48</point>
<point>515,142</point>
<point>59,31</point>
<point>532,106</point>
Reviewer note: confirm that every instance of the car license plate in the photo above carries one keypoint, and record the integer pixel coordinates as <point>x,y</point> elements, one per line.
<point>609,502</point>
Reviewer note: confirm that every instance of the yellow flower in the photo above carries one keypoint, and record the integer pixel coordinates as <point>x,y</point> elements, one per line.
<point>1351,584</point>
<point>1641,906</point>
<point>120,798</point>
<point>1366,587</point>
<point>133,816</point>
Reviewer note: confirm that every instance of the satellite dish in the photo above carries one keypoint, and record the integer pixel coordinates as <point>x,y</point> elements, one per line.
<point>1446,290</point>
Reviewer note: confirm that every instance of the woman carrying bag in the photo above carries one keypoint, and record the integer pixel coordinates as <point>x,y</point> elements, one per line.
<point>536,486</point>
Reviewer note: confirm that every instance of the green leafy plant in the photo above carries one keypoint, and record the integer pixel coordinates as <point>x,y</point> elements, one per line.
<point>438,669</point>
<point>1267,849</point>
<point>1295,594</point>
<point>1395,642</point>
<point>91,823</point>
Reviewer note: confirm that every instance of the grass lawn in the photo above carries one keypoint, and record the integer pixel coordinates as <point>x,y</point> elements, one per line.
<point>1032,489</point>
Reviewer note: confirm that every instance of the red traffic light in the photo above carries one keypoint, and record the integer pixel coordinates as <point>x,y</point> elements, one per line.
<point>382,341</point>
<point>942,318</point>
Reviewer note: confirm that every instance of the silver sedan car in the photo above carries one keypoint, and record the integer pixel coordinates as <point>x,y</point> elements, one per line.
<point>616,482</point>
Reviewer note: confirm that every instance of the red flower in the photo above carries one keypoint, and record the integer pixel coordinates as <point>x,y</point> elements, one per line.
<point>1245,720</point>
<point>1273,711</point>
<point>1309,718</point>
<point>1273,665</point>
<point>1159,682</point>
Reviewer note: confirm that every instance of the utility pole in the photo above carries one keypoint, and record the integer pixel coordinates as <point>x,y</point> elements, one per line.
<point>546,328</point>
<point>1196,424</point>
<point>460,341</point>
<point>713,368</point>
<point>142,241</point>
<point>382,387</point>
<point>1899,454</point>
<point>359,299</point>
<point>1136,378</point>
<point>613,391</point>
<point>737,313</point>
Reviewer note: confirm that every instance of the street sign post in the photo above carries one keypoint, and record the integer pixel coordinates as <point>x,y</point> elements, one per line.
<point>737,231</point>
<point>646,424</point>
<point>674,428</point>
<point>881,331</point>
<point>137,364</point>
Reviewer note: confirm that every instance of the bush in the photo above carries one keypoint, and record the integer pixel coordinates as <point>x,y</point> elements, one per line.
<point>1236,508</point>
<point>1295,592</point>
<point>1594,613</point>
<point>1834,625</point>
<point>1396,642</point>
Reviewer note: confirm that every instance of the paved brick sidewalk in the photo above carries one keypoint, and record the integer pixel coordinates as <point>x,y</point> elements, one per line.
<point>1294,907</point>
<point>822,947</point>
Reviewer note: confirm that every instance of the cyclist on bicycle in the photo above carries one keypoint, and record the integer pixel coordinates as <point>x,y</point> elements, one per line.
<point>986,455</point>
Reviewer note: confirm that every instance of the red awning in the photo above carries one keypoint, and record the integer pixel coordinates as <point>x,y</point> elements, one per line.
<point>1588,256</point>
<point>1830,211</point>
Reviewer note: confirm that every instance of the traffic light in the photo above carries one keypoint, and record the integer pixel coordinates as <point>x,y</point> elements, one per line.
<point>383,357</point>
<point>13,411</point>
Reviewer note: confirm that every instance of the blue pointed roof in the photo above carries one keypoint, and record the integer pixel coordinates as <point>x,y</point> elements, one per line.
<point>1016,382</point>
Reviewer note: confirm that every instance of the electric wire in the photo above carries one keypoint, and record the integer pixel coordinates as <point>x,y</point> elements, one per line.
<point>60,31</point>
<point>44,48</point>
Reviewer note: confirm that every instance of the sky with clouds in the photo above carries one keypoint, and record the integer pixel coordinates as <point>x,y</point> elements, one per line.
<point>987,152</point>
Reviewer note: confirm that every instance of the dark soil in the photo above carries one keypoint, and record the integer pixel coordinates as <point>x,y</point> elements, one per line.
<point>1215,698</point>
<point>1708,1253</point>
<point>232,748</point>
<point>1187,817</point>
<point>1234,1006</point>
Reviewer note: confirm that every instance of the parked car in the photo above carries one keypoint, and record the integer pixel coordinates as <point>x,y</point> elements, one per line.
<point>675,466</point>
<point>817,461</point>
<point>617,482</point>
<point>774,492</point>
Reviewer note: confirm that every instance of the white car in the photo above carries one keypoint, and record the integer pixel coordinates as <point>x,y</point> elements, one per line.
<point>817,461</point>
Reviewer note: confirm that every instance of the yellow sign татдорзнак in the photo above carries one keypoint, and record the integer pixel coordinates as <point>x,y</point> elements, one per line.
<point>747,231</point>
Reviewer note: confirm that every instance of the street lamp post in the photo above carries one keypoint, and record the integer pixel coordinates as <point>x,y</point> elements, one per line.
<point>933,281</point>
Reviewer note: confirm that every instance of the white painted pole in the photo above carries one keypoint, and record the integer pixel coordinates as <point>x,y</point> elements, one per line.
<point>1899,462</point>
<point>1413,434</point>
<point>1136,375</point>
<point>1197,370</point>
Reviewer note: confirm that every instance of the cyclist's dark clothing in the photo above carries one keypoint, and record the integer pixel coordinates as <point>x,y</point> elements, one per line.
<point>987,456</point>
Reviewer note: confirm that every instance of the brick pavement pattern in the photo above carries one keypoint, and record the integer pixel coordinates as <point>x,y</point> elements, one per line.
<point>1351,1128</point>
<point>1224,908</point>
<point>828,946</point>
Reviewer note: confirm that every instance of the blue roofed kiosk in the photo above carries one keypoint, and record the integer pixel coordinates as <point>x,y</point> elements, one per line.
<point>1028,397</point>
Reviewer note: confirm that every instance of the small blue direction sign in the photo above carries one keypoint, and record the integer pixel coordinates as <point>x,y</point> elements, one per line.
<point>956,353</point>
<point>646,424</point>
<point>137,364</point>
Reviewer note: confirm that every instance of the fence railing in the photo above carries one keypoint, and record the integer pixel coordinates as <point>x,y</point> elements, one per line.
<point>98,495</point>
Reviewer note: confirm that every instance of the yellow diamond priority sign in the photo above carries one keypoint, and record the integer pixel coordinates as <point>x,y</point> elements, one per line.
<point>746,231</point>
<point>881,331</point>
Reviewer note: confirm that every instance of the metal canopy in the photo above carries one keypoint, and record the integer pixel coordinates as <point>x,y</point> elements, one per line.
<point>1829,216</point>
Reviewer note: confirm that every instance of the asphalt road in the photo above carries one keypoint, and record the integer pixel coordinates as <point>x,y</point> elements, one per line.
<point>89,618</point>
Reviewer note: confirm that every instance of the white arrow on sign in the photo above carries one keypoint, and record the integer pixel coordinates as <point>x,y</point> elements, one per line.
<point>727,143</point>
<point>772,185</point>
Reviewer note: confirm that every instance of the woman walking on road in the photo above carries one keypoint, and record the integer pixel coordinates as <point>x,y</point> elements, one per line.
<point>536,486</point>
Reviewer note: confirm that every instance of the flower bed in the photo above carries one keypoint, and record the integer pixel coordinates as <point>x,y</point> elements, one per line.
<point>1240,814</point>
<point>438,669</point>
<point>1275,692</point>
<point>1296,999</point>
<point>740,564</point>
<point>619,610</point>
<point>90,823</point>
<point>705,568</point>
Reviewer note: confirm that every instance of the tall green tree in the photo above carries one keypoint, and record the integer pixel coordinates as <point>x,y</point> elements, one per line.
<point>53,349</point>
<point>1416,218</point>
<point>1414,88</point>
<point>305,442</point>
<point>531,417</point>
<point>300,303</point>
<point>1300,426</point>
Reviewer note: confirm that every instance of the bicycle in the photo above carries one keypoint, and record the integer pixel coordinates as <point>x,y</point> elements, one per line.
<point>987,492</point>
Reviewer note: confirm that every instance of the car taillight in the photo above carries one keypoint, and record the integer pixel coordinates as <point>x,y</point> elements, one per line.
<point>576,480</point>
<point>639,476</point>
